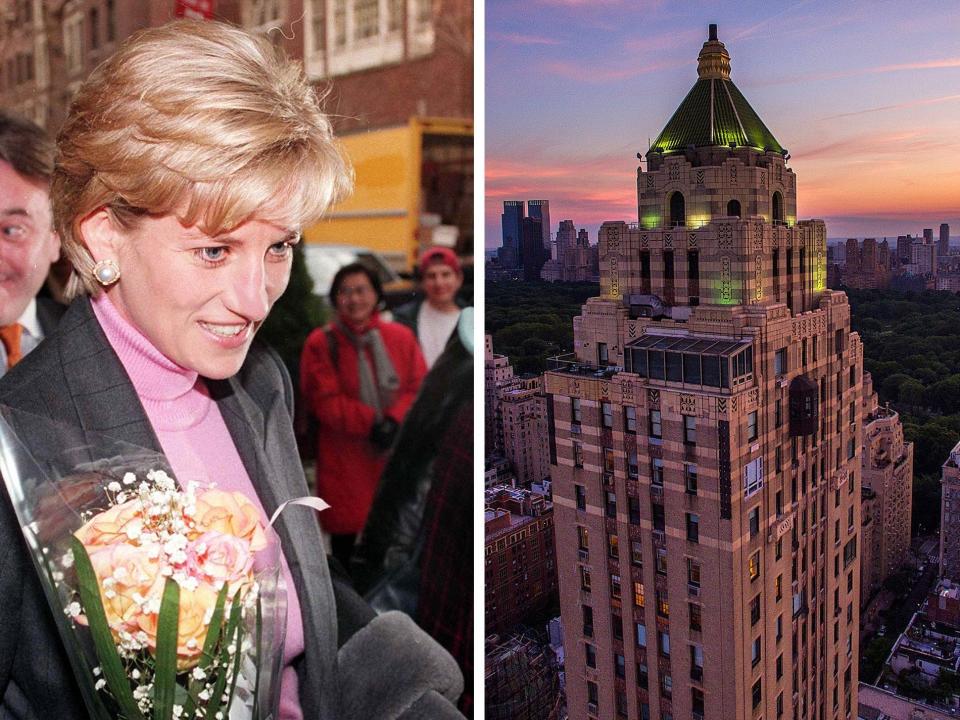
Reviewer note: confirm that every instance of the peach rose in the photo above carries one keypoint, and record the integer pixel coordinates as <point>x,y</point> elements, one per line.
<point>219,558</point>
<point>123,572</point>
<point>192,625</point>
<point>112,525</point>
<point>230,513</point>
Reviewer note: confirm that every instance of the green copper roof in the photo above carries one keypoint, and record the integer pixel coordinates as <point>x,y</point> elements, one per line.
<point>715,112</point>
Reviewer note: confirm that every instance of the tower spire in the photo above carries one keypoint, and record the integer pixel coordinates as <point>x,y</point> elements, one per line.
<point>714,60</point>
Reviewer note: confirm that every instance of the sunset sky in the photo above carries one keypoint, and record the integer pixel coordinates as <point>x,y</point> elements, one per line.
<point>865,96</point>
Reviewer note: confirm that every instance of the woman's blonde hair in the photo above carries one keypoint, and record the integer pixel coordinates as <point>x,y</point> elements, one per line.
<point>200,119</point>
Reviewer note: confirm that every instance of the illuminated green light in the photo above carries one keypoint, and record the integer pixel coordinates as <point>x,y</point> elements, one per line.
<point>651,220</point>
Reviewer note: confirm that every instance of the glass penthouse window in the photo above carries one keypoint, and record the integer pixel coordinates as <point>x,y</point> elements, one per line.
<point>708,362</point>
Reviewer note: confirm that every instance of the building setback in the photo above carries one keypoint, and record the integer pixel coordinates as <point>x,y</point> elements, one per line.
<point>523,410</point>
<point>707,481</point>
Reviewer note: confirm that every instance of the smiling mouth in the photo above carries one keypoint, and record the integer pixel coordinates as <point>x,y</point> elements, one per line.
<point>225,331</point>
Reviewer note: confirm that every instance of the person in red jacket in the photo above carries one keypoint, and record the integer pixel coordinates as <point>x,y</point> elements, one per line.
<point>358,377</point>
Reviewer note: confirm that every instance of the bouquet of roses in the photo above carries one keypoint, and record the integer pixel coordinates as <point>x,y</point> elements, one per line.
<point>168,598</point>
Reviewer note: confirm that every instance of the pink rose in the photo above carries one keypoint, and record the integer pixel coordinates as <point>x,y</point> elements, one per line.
<point>124,571</point>
<point>215,558</point>
<point>111,525</point>
<point>230,513</point>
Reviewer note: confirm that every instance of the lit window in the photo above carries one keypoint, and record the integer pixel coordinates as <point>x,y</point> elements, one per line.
<point>638,598</point>
<point>613,546</point>
<point>584,579</point>
<point>583,537</point>
<point>754,566</point>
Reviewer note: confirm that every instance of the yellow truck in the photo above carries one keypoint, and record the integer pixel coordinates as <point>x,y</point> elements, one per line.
<point>414,187</point>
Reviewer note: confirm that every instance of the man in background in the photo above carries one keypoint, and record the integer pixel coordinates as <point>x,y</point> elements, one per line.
<point>28,243</point>
<point>434,316</point>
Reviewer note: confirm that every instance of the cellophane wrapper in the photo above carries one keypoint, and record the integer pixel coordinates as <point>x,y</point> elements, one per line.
<point>64,482</point>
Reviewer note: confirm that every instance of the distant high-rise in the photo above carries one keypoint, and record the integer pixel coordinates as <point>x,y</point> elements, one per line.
<point>540,210</point>
<point>944,248</point>
<point>707,478</point>
<point>927,236</point>
<point>566,238</point>
<point>511,222</point>
<point>533,253</point>
<point>583,238</point>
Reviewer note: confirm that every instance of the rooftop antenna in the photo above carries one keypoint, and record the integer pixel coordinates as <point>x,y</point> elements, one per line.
<point>713,31</point>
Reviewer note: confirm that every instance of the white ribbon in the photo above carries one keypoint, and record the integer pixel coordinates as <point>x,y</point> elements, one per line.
<point>309,501</point>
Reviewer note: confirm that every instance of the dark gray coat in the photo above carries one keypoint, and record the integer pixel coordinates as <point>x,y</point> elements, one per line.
<point>355,666</point>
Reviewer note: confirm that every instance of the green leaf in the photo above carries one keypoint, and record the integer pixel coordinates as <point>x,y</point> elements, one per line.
<point>165,673</point>
<point>209,650</point>
<point>236,669</point>
<point>217,699</point>
<point>259,656</point>
<point>110,662</point>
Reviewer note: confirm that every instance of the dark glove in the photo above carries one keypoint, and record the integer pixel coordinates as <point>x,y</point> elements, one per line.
<point>383,433</point>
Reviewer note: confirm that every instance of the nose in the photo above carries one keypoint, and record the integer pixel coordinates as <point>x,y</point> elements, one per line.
<point>248,294</point>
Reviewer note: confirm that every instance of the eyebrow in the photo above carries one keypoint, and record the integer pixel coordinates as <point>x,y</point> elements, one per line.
<point>291,236</point>
<point>15,211</point>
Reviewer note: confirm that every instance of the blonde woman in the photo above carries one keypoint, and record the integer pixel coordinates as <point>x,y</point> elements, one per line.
<point>186,167</point>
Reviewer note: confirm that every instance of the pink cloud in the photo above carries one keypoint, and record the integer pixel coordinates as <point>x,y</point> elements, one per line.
<point>521,39</point>
<point>584,73</point>
<point>897,106</point>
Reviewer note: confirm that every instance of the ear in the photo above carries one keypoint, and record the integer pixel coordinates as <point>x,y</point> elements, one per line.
<point>53,247</point>
<point>100,234</point>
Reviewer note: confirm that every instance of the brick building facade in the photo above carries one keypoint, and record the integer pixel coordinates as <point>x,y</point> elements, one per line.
<point>707,497</point>
<point>520,571</point>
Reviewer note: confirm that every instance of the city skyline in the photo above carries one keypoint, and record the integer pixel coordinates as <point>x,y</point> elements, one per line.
<point>864,104</point>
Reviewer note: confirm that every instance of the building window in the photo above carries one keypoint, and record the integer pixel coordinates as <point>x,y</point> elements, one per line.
<point>778,587</point>
<point>636,553</point>
<point>754,565</point>
<point>584,579</point>
<point>662,561</point>
<point>777,211</point>
<point>779,628</point>
<point>696,663</point>
<point>603,355</point>
<point>641,630</point>
<point>664,643</point>
<point>630,419</point>
<point>690,479</point>
<point>696,623</point>
<point>587,620</point>
<point>755,610</point>
<point>575,414</point>
<point>656,472</point>
<point>633,510</point>
<point>591,655</point>
<point>733,208</point>
<point>755,652</point>
<point>643,681</point>
<point>608,464</point>
<point>753,518</point>
<point>693,527</point>
<point>581,495</point>
<point>615,586</point>
<point>663,603</point>
<point>607,414</point>
<point>638,597</point>
<point>689,429</point>
<point>633,467</point>
<point>611,498</point>
<point>693,572</point>
<point>616,625</point>
<point>757,694</point>
<point>777,413</point>
<point>577,454</point>
<point>752,426</point>
<point>618,665</point>
<point>656,424</point>
<point>583,537</point>
<point>592,695</point>
<point>613,546</point>
<point>678,213</point>
<point>753,477</point>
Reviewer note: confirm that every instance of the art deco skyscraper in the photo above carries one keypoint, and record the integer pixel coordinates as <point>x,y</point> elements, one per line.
<point>706,487</point>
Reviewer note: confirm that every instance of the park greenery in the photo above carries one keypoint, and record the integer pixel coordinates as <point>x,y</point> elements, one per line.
<point>911,349</point>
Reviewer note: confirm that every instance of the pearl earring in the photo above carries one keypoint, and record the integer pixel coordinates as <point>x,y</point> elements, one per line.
<point>106,272</point>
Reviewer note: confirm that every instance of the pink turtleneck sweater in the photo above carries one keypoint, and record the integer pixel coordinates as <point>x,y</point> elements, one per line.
<point>199,448</point>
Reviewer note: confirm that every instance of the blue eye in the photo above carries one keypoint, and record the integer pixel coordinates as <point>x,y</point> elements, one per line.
<point>281,249</point>
<point>213,254</point>
<point>13,231</point>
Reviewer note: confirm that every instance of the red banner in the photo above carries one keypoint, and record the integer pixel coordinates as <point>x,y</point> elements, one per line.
<point>201,9</point>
